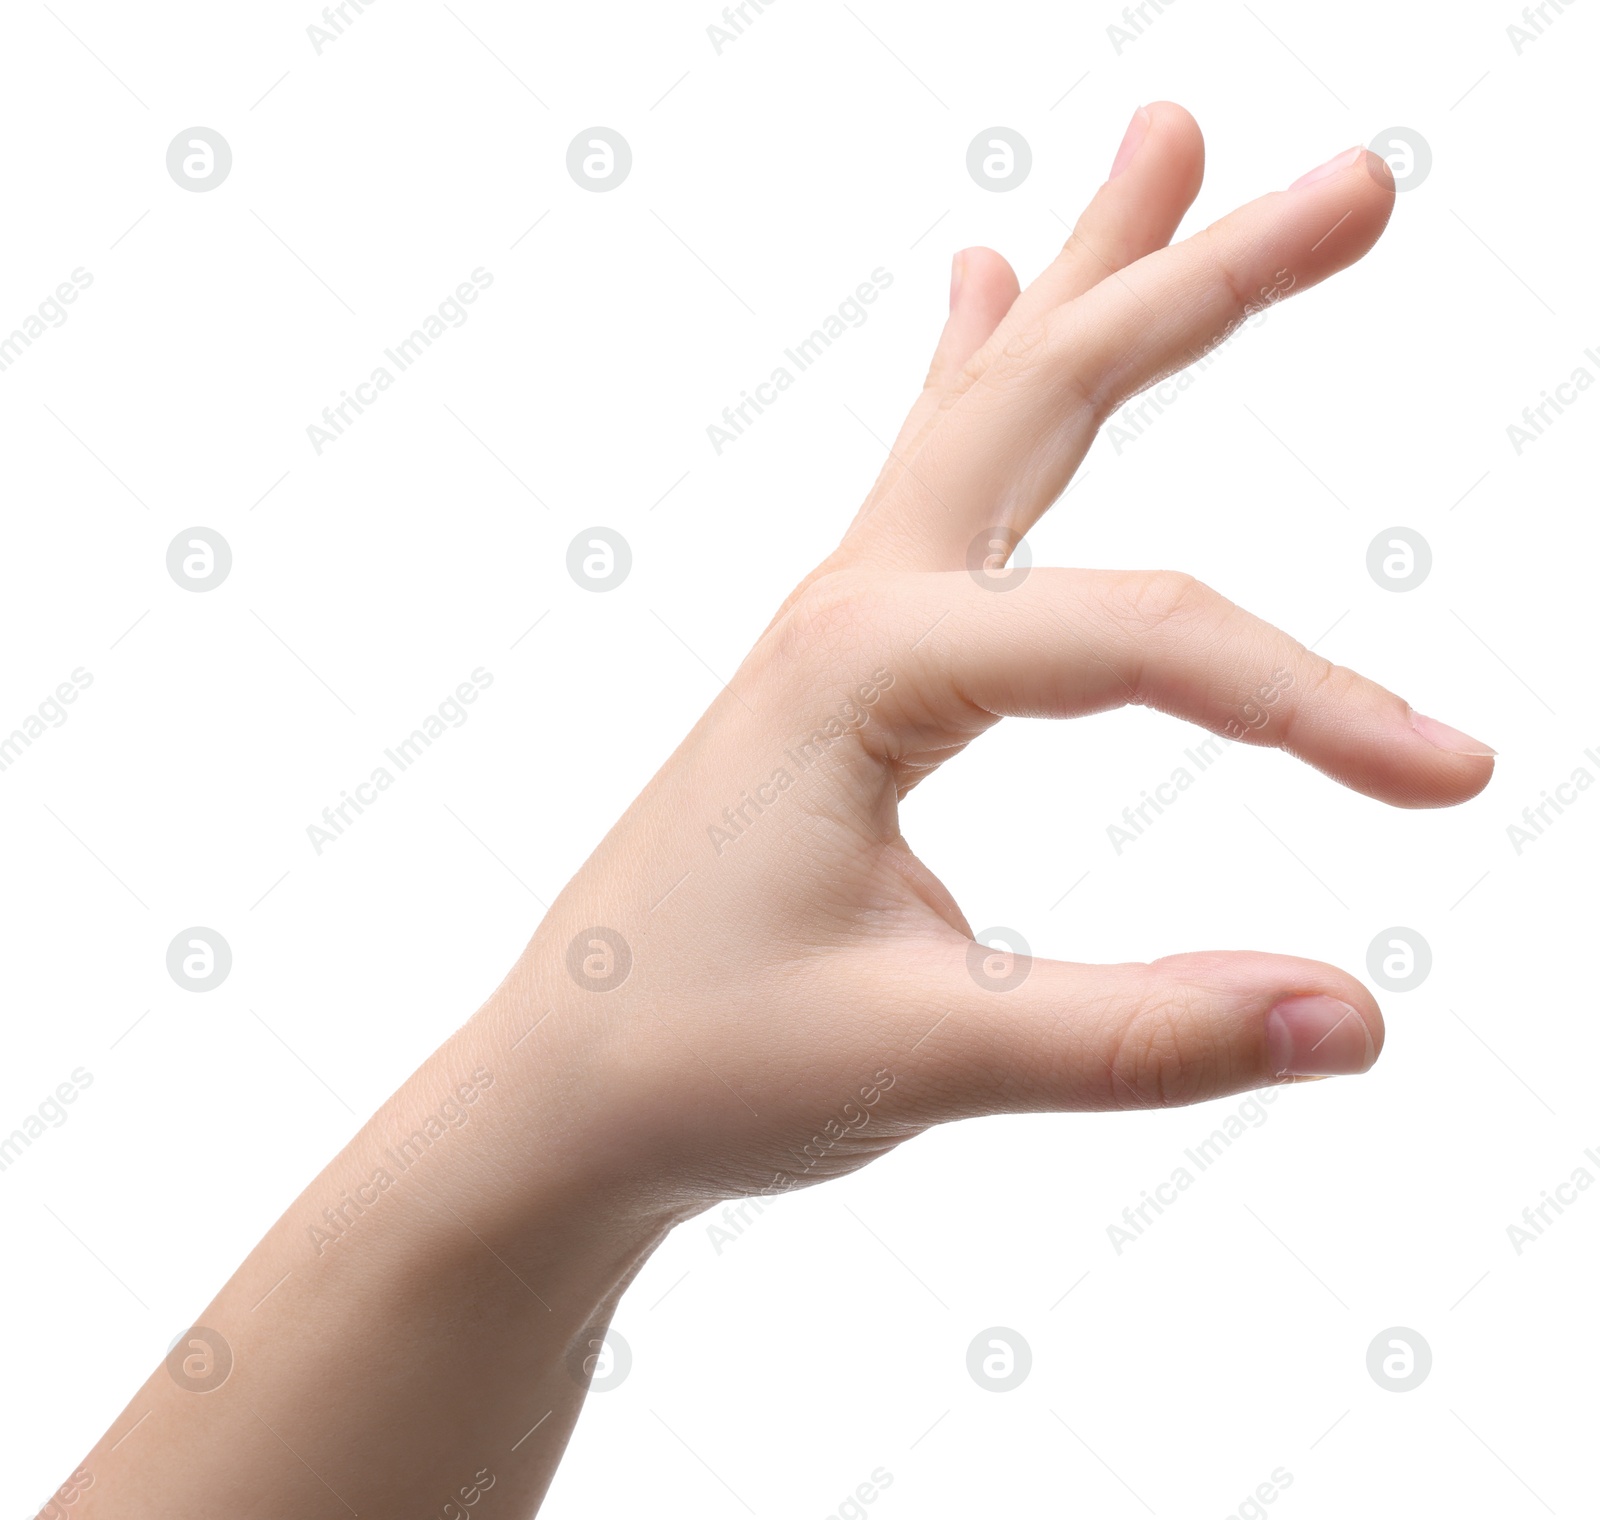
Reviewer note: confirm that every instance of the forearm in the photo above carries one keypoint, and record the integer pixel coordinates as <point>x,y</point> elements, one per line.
<point>416,1323</point>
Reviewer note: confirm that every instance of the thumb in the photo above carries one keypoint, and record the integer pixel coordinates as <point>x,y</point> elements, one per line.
<point>1021,1035</point>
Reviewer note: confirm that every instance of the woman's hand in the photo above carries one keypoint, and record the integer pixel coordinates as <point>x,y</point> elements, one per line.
<point>801,991</point>
<point>754,984</point>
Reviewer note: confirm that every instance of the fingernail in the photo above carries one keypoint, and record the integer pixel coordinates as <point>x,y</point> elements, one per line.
<point>1130,141</point>
<point>1317,1036</point>
<point>1329,169</point>
<point>957,265</point>
<point>1442,736</point>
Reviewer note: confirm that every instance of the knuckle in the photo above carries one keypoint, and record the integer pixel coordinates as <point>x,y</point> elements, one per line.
<point>1222,267</point>
<point>1150,600</point>
<point>1157,1062</point>
<point>1043,355</point>
<point>1318,683</point>
<point>832,620</point>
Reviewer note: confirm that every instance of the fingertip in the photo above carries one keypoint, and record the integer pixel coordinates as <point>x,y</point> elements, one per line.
<point>1439,766</point>
<point>1382,175</point>
<point>1164,148</point>
<point>983,286</point>
<point>985,277</point>
<point>1181,138</point>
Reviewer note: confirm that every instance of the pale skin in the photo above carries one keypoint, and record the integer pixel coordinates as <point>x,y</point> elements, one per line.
<point>802,993</point>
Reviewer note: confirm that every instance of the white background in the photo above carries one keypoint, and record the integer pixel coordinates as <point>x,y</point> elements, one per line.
<point>768,181</point>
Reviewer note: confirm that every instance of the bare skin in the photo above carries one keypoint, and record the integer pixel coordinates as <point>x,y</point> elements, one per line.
<point>801,992</point>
